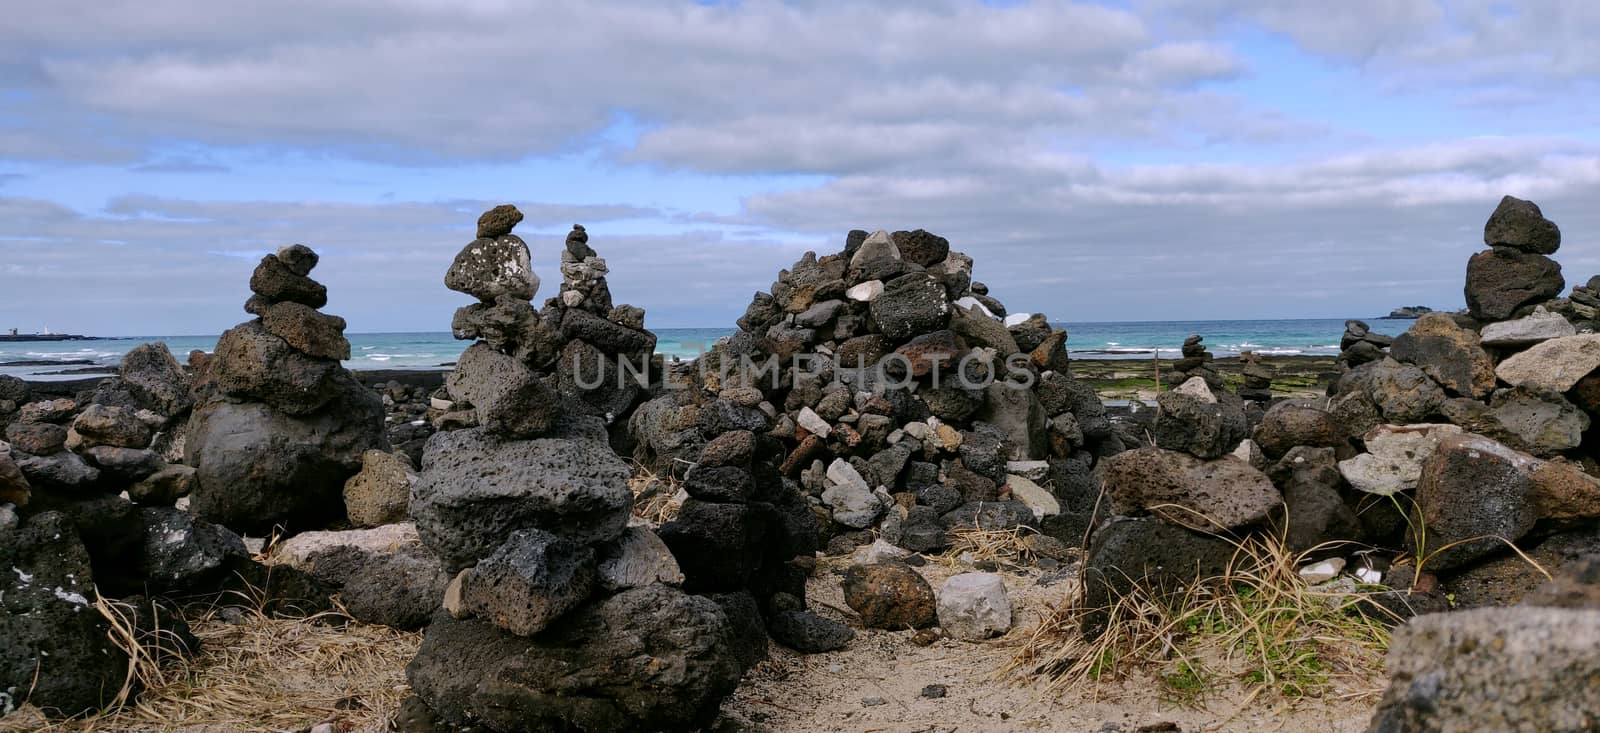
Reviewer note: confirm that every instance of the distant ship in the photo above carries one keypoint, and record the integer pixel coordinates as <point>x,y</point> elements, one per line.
<point>12,336</point>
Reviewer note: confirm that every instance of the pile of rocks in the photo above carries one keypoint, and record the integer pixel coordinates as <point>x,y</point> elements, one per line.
<point>279,424</point>
<point>1257,385</point>
<point>1360,344</point>
<point>1195,362</point>
<point>561,615</point>
<point>1465,433</point>
<point>599,357</point>
<point>901,398</point>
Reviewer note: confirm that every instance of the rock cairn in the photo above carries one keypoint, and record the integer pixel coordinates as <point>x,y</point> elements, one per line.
<point>91,488</point>
<point>1195,362</point>
<point>1257,385</point>
<point>897,399</point>
<point>280,424</point>
<point>561,616</point>
<point>1515,273</point>
<point>596,355</point>
<point>1360,344</point>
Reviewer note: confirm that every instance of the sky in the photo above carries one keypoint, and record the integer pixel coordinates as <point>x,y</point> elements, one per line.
<point>1135,160</point>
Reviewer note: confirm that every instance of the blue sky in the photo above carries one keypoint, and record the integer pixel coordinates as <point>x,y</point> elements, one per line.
<point>1156,159</point>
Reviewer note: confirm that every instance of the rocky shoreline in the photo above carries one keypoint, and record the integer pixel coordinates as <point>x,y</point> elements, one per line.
<point>877,408</point>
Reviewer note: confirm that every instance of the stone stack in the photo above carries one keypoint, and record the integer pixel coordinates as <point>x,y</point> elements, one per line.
<point>1257,378</point>
<point>1583,305</point>
<point>1360,344</point>
<point>279,423</point>
<point>561,616</point>
<point>901,399</point>
<point>1515,273</point>
<point>1195,362</point>
<point>596,355</point>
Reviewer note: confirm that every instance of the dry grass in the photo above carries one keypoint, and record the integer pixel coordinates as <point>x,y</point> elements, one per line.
<point>256,672</point>
<point>655,497</point>
<point>1259,625</point>
<point>970,546</point>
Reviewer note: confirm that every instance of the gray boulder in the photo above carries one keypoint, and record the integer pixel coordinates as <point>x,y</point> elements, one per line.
<point>182,553</point>
<point>380,493</point>
<point>383,575</point>
<point>55,649</point>
<point>153,375</point>
<point>256,467</point>
<point>645,659</point>
<point>1453,356</point>
<point>1225,493</point>
<point>489,268</point>
<point>1128,552</point>
<point>1197,426</point>
<point>1541,325</point>
<point>510,399</point>
<point>1545,423</point>
<point>1520,224</point>
<point>529,582</point>
<point>1502,280</point>
<point>475,490</point>
<point>1500,669</point>
<point>1555,365</point>
<point>253,364</point>
<point>911,304</point>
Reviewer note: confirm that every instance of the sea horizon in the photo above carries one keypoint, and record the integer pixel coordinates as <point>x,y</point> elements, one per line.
<point>436,349</point>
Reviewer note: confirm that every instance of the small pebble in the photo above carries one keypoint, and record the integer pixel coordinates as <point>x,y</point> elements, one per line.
<point>872,701</point>
<point>986,566</point>
<point>934,691</point>
<point>1049,564</point>
<point>916,560</point>
<point>925,637</point>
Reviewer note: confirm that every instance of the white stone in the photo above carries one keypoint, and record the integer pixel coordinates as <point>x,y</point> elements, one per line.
<point>865,292</point>
<point>1542,325</point>
<point>1250,453</point>
<point>974,606</point>
<point>813,423</point>
<point>971,303</point>
<point>918,430</point>
<point>877,245</point>
<point>452,596</point>
<point>1196,387</point>
<point>1031,470</point>
<point>1394,457</point>
<point>638,558</point>
<point>1553,365</point>
<point>1034,496</point>
<point>1017,319</point>
<point>301,550</point>
<point>847,493</point>
<point>1322,572</point>
<point>878,551</point>
<point>572,298</point>
<point>1369,575</point>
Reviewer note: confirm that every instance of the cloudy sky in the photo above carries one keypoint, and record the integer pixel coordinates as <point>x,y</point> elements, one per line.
<point>1152,159</point>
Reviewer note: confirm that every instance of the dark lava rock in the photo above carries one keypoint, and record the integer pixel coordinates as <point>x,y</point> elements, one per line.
<point>529,582</point>
<point>1521,225</point>
<point>1146,552</point>
<point>183,553</point>
<point>498,221</point>
<point>651,658</point>
<point>277,283</point>
<point>1501,280</point>
<point>475,491</point>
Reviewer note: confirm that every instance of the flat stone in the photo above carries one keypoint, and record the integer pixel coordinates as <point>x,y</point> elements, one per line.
<point>1541,325</point>
<point>1224,493</point>
<point>1555,365</point>
<point>1036,497</point>
<point>865,292</point>
<point>1394,457</point>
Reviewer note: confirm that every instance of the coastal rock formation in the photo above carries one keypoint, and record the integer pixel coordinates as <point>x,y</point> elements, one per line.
<point>279,424</point>
<point>1360,344</point>
<point>1196,362</point>
<point>1506,280</point>
<point>560,616</point>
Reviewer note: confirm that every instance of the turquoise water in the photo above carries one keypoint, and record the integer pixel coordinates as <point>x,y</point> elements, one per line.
<point>433,349</point>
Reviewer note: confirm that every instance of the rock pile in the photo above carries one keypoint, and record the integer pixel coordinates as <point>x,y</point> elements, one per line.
<point>599,357</point>
<point>1257,378</point>
<point>1515,273</point>
<point>279,423</point>
<point>1360,344</point>
<point>900,397</point>
<point>1195,362</point>
<point>561,616</point>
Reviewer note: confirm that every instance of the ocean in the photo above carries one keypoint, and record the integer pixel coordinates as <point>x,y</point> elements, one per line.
<point>424,350</point>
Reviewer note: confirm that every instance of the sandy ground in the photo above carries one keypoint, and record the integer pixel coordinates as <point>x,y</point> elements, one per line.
<point>306,674</point>
<point>825,692</point>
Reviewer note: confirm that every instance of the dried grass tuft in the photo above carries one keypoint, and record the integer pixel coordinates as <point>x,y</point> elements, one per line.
<point>1258,624</point>
<point>257,672</point>
<point>655,496</point>
<point>968,546</point>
